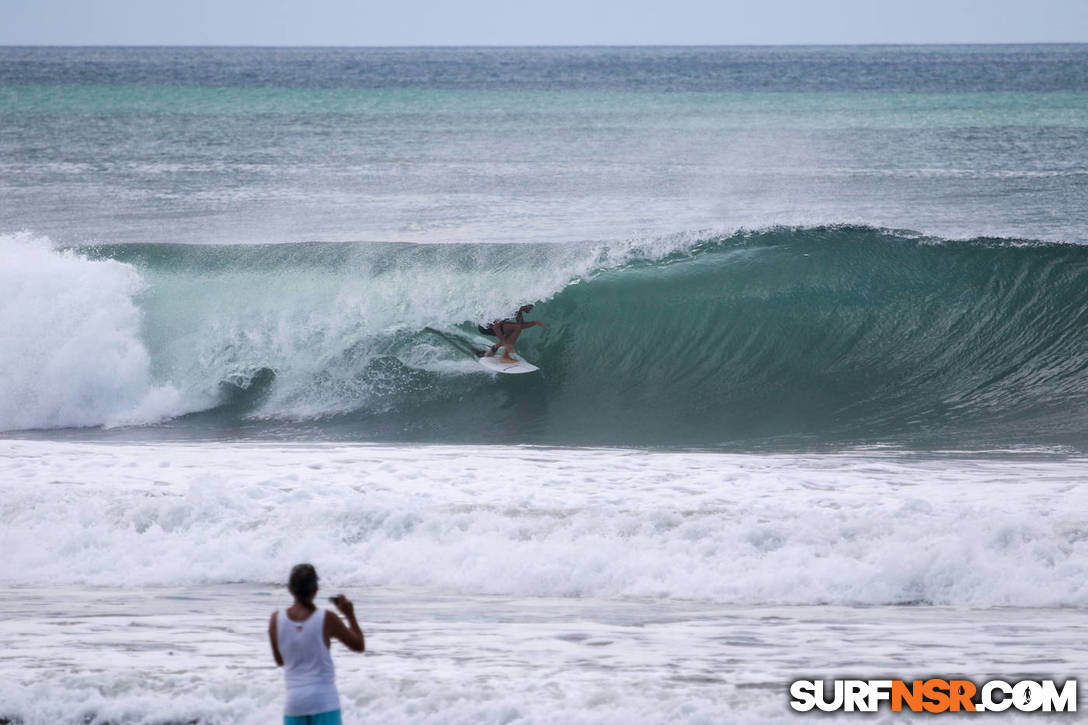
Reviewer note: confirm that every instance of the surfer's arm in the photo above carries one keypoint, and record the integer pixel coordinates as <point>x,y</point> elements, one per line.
<point>351,634</point>
<point>521,314</point>
<point>272,638</point>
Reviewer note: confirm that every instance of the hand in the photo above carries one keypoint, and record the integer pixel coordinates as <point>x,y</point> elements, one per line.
<point>345,606</point>
<point>526,308</point>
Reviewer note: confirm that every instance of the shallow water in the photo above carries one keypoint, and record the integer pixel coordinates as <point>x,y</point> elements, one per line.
<point>540,584</point>
<point>200,653</point>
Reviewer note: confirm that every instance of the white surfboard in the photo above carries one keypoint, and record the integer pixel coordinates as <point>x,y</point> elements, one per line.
<point>496,364</point>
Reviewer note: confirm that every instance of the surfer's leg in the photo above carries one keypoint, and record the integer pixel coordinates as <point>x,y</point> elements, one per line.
<point>508,343</point>
<point>499,331</point>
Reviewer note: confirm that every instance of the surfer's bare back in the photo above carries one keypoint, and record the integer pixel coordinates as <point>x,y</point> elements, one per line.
<point>508,332</point>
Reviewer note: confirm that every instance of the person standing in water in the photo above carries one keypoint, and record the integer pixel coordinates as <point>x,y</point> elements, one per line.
<point>300,636</point>
<point>508,332</point>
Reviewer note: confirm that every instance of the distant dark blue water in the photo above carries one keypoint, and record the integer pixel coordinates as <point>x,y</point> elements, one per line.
<point>906,69</point>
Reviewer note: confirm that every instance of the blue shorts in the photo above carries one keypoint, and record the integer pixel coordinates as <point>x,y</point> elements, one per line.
<point>332,717</point>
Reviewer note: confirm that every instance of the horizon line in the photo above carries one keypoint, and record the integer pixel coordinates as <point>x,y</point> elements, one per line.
<point>549,45</point>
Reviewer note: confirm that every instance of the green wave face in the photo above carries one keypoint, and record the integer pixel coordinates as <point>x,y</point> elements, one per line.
<point>782,337</point>
<point>835,334</point>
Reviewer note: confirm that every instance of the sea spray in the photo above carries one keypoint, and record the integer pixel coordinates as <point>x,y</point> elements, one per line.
<point>71,352</point>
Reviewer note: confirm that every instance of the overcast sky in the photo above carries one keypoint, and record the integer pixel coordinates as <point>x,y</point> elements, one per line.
<point>546,22</point>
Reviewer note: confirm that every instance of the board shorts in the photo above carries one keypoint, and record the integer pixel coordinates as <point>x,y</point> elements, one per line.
<point>332,717</point>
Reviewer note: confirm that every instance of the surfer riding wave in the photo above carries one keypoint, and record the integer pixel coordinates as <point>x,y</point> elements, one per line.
<point>508,332</point>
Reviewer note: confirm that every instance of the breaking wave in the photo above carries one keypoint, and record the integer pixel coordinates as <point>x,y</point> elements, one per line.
<point>839,333</point>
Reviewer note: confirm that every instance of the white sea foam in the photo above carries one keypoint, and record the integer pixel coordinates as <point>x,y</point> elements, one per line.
<point>70,347</point>
<point>854,528</point>
<point>178,655</point>
<point>511,584</point>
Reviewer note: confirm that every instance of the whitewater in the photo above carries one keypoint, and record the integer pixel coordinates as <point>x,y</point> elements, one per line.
<point>509,583</point>
<point>812,401</point>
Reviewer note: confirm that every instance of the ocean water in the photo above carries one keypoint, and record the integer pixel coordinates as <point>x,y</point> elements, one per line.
<point>813,397</point>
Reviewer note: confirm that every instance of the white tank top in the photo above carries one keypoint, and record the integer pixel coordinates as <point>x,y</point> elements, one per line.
<point>307,665</point>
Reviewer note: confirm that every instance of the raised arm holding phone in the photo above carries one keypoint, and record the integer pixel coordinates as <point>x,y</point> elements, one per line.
<point>301,636</point>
